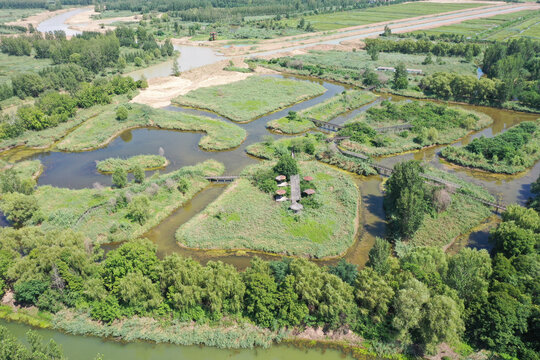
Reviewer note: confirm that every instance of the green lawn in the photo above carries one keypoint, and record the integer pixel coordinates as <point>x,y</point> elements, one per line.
<point>147,162</point>
<point>343,19</point>
<point>244,217</point>
<point>97,214</point>
<point>325,111</point>
<point>25,169</point>
<point>248,99</point>
<point>101,126</point>
<point>12,65</point>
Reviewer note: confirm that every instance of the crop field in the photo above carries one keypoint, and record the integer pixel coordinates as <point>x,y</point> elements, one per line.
<point>99,214</point>
<point>522,24</point>
<point>344,19</point>
<point>102,126</point>
<point>245,100</point>
<point>244,217</point>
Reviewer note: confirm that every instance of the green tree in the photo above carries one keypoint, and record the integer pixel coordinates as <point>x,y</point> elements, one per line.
<point>373,52</point>
<point>175,67</point>
<point>405,199</point>
<point>139,174</point>
<point>400,77</point>
<point>379,256</point>
<point>468,273</point>
<point>370,78</point>
<point>139,293</point>
<point>36,349</point>
<point>20,209</point>
<point>441,322</point>
<point>121,113</point>
<point>28,292</point>
<point>408,306</point>
<point>121,64</point>
<point>139,209</point>
<point>183,185</point>
<point>106,310</point>
<point>373,295</point>
<point>119,177</point>
<point>286,165</point>
<point>345,271</point>
<point>290,311</point>
<point>261,295</point>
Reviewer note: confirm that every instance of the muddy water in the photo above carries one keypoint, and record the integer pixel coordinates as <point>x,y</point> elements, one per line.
<point>58,23</point>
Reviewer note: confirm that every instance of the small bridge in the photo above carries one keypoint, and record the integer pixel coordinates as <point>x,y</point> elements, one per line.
<point>326,125</point>
<point>222,179</point>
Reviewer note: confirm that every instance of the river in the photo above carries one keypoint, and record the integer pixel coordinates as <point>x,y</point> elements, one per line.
<point>77,170</point>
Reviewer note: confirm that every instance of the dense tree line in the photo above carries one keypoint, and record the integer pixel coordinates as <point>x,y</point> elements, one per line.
<point>52,107</point>
<point>410,46</point>
<point>513,72</point>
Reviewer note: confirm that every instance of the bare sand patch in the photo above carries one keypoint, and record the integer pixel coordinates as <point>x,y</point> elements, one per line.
<point>161,90</point>
<point>84,21</point>
<point>34,20</point>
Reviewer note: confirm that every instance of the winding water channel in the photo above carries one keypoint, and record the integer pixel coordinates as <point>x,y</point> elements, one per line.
<point>77,170</point>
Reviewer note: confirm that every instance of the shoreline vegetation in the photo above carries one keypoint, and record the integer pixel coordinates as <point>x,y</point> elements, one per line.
<point>104,214</point>
<point>146,162</point>
<point>244,217</point>
<point>431,124</point>
<point>510,152</point>
<point>101,128</point>
<point>299,122</point>
<point>248,99</point>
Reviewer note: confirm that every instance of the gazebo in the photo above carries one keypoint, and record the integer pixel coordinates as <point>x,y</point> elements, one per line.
<point>308,178</point>
<point>296,207</point>
<point>281,178</point>
<point>309,191</point>
<point>280,195</point>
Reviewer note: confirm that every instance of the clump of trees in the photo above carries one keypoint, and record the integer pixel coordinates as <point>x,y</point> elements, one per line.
<point>423,46</point>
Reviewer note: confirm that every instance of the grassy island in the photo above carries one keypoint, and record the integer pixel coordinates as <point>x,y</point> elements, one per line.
<point>105,214</point>
<point>510,152</point>
<point>102,127</point>
<point>245,100</point>
<point>147,162</point>
<point>377,132</point>
<point>299,122</point>
<point>245,217</point>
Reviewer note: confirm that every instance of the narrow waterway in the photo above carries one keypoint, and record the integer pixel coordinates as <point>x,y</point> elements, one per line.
<point>86,348</point>
<point>58,23</point>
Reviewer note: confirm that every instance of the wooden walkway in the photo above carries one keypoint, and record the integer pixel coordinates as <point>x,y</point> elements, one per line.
<point>395,128</point>
<point>222,179</point>
<point>326,125</point>
<point>387,171</point>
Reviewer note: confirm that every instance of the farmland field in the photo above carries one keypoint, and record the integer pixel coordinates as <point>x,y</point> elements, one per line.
<point>343,19</point>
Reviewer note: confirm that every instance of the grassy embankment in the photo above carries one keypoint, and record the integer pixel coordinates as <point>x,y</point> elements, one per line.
<point>147,162</point>
<point>101,127</point>
<point>325,111</point>
<point>433,124</point>
<point>244,217</point>
<point>102,213</point>
<point>9,15</point>
<point>245,100</point>
<point>24,169</point>
<point>348,67</point>
<point>341,19</point>
<point>508,153</point>
<point>500,27</point>
<point>462,215</point>
<point>309,147</point>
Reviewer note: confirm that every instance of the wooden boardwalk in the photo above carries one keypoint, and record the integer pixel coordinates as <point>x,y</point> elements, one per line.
<point>395,128</point>
<point>326,125</point>
<point>222,179</point>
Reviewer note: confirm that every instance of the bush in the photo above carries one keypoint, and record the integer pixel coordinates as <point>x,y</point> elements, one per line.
<point>138,210</point>
<point>286,165</point>
<point>107,310</point>
<point>121,113</point>
<point>183,185</point>
<point>20,209</point>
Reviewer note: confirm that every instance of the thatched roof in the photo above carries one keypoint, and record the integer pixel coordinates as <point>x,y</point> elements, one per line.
<point>309,191</point>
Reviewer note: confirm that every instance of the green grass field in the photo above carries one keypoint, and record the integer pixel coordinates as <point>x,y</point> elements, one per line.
<point>24,169</point>
<point>343,19</point>
<point>248,99</point>
<point>147,162</point>
<point>244,217</point>
<point>525,24</point>
<point>100,126</point>
<point>12,65</point>
<point>324,111</point>
<point>95,213</point>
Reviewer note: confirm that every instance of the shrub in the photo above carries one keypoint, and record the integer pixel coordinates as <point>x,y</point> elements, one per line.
<point>106,310</point>
<point>286,165</point>
<point>20,209</point>
<point>138,210</point>
<point>139,174</point>
<point>121,113</point>
<point>183,185</point>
